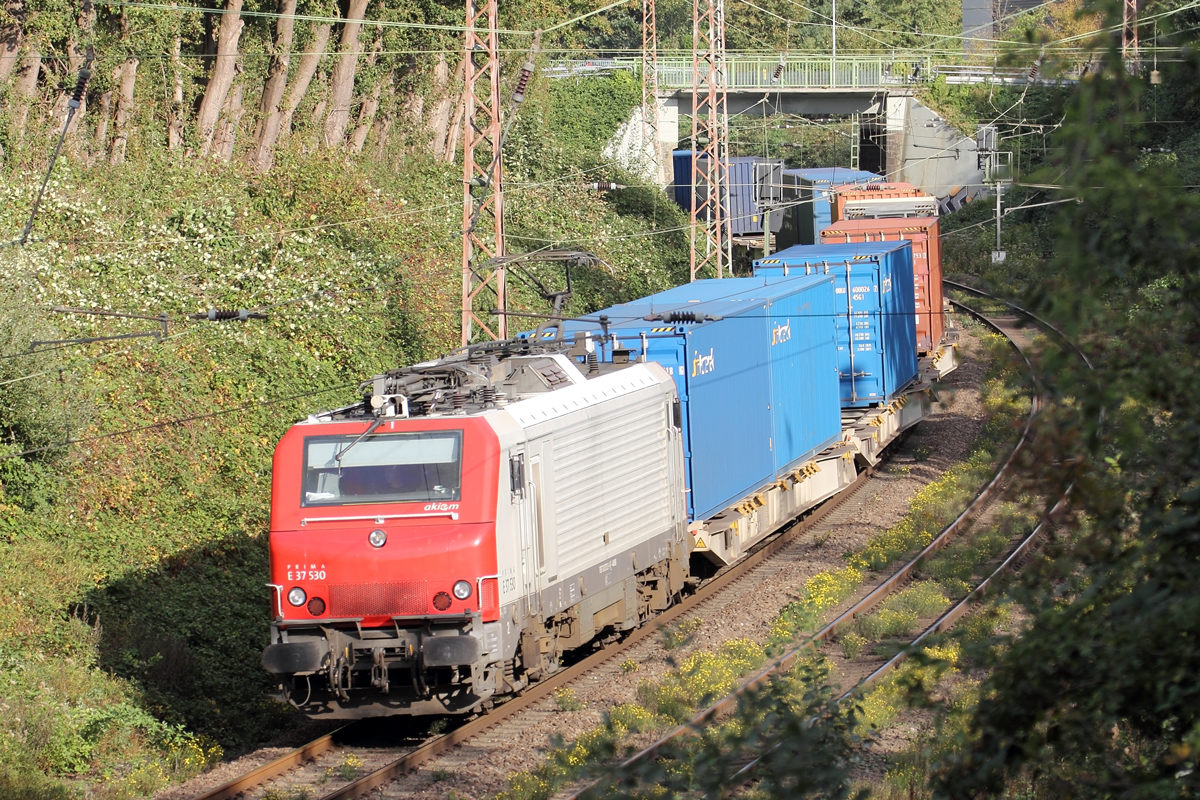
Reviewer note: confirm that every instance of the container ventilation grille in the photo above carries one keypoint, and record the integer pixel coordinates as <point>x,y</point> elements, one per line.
<point>376,599</point>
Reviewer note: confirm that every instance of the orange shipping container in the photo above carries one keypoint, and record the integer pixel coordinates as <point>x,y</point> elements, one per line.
<point>868,191</point>
<point>924,233</point>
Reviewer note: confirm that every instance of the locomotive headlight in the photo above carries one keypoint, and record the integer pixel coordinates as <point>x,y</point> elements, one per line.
<point>297,596</point>
<point>462,590</point>
<point>377,538</point>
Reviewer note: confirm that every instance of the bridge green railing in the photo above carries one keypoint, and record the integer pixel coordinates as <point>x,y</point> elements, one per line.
<point>749,72</point>
<point>849,72</point>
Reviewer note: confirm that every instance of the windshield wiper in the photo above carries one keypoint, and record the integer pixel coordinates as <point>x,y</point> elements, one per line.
<point>363,435</point>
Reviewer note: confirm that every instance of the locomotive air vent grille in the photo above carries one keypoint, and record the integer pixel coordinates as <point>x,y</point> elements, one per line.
<point>375,599</point>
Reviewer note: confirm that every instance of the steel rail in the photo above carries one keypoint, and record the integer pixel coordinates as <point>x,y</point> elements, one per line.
<point>274,768</point>
<point>943,623</point>
<point>544,689</point>
<point>729,703</point>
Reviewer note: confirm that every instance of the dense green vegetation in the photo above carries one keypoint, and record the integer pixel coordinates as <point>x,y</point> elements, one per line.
<point>134,473</point>
<point>132,608</point>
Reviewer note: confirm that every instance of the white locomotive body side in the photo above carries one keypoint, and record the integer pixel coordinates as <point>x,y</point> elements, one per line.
<point>590,508</point>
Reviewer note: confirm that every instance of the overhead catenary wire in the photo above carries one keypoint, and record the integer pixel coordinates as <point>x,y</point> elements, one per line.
<point>175,421</point>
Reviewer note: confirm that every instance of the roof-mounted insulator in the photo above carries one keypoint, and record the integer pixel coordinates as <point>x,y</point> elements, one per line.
<point>224,314</point>
<point>681,317</point>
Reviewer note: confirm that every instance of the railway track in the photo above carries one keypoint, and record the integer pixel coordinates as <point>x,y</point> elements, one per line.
<point>318,758</point>
<point>1017,554</point>
<point>406,761</point>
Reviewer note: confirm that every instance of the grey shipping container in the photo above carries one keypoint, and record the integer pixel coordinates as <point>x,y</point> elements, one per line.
<point>749,179</point>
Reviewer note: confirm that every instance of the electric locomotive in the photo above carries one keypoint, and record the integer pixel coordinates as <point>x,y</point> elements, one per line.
<point>449,537</point>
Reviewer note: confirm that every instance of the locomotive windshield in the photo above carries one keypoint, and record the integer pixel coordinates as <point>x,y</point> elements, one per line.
<point>384,468</point>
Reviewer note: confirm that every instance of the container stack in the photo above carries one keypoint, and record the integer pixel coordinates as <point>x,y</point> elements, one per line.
<point>808,200</point>
<point>744,212</point>
<point>923,233</point>
<point>755,362</point>
<point>876,336</point>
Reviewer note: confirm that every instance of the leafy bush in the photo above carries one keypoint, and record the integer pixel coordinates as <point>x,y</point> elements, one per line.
<point>681,633</point>
<point>566,699</point>
<point>701,677</point>
<point>821,592</point>
<point>852,644</point>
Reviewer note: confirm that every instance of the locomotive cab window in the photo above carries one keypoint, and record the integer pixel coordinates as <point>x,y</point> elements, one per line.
<point>387,468</point>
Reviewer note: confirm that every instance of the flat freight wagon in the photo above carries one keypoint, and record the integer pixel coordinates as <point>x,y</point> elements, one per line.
<point>874,191</point>
<point>875,315</point>
<point>924,234</point>
<point>755,364</point>
<point>808,196</point>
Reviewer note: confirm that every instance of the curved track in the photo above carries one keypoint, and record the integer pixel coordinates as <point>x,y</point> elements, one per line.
<point>1011,331</point>
<point>406,761</point>
<point>470,728</point>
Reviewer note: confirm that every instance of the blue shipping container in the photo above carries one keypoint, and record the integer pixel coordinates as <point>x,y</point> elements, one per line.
<point>757,375</point>
<point>810,190</point>
<point>876,312</point>
<point>744,213</point>
<point>681,163</point>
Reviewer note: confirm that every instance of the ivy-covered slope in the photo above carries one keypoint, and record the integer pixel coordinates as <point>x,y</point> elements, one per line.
<point>132,561</point>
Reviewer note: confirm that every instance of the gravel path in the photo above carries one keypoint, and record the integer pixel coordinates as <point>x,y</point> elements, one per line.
<point>481,767</point>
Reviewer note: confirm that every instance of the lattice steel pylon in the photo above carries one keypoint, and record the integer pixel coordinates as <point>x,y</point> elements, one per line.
<point>1129,37</point>
<point>483,196</point>
<point>710,138</point>
<point>650,83</point>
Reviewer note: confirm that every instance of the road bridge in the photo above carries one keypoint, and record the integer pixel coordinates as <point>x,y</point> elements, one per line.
<point>916,144</point>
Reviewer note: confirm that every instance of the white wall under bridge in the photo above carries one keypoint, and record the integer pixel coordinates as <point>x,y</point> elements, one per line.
<point>921,148</point>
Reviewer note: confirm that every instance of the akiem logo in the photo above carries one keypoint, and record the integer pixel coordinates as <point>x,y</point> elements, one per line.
<point>781,333</point>
<point>702,365</point>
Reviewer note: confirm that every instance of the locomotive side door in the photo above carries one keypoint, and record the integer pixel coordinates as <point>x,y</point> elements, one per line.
<point>525,501</point>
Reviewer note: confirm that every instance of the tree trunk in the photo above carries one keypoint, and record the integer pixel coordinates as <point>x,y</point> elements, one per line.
<point>175,115</point>
<point>439,117</point>
<point>455,129</point>
<point>101,145</point>
<point>385,126</point>
<point>309,63</point>
<point>231,118</point>
<point>223,73</point>
<point>341,82</point>
<point>10,51</point>
<point>366,117</point>
<point>25,87</point>
<point>124,113</point>
<point>270,115</point>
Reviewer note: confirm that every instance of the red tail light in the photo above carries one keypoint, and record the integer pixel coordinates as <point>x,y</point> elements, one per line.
<point>489,599</point>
